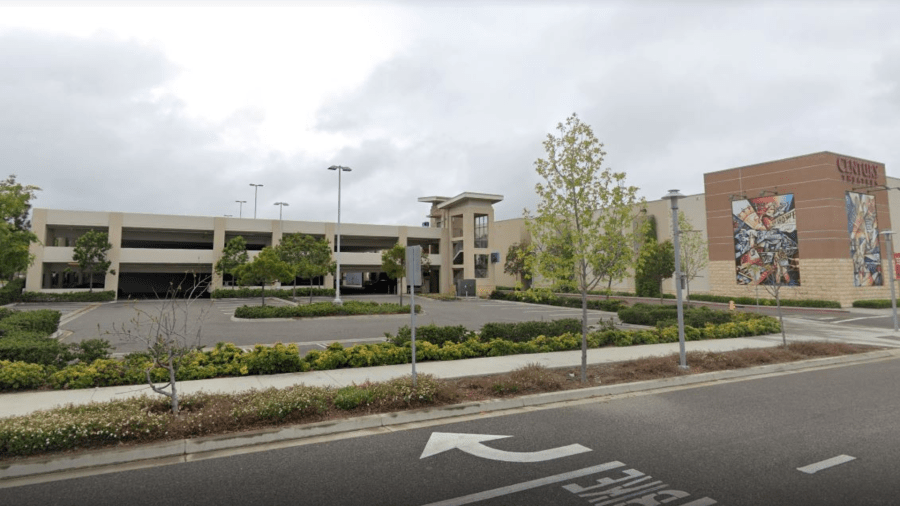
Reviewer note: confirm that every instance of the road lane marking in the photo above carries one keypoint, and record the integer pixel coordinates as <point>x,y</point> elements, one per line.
<point>825,464</point>
<point>511,489</point>
<point>859,318</point>
<point>471,443</point>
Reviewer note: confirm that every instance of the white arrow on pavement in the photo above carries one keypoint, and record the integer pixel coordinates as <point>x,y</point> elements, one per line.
<point>471,444</point>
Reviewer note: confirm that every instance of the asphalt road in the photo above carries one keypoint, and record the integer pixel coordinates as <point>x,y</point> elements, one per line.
<point>814,438</point>
<point>102,321</point>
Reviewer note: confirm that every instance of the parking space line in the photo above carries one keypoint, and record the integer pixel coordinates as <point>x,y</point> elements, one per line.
<point>825,464</point>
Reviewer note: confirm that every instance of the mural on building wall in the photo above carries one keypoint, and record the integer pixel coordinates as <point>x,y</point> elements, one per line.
<point>862,225</point>
<point>765,240</point>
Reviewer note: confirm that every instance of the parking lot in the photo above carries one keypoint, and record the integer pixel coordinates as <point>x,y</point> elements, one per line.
<point>82,321</point>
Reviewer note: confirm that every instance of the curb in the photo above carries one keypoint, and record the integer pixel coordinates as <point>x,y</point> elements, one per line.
<point>193,449</point>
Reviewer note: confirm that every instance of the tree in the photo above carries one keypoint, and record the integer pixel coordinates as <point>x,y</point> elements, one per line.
<point>644,285</point>
<point>90,253</point>
<point>266,268</point>
<point>170,330</point>
<point>694,251</point>
<point>234,255</point>
<point>307,256</point>
<point>15,203</point>
<point>15,236</point>
<point>656,263</point>
<point>517,263</point>
<point>393,263</point>
<point>584,210</point>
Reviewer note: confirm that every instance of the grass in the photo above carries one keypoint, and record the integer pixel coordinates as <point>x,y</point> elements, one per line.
<point>148,419</point>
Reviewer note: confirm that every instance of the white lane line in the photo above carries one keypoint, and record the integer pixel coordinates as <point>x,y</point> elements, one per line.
<point>498,492</point>
<point>825,464</point>
<point>854,319</point>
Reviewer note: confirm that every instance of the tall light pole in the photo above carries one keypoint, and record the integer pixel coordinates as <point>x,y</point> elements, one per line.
<point>890,240</point>
<point>337,284</point>
<point>280,209</point>
<point>255,193</point>
<point>673,196</point>
<point>241,208</point>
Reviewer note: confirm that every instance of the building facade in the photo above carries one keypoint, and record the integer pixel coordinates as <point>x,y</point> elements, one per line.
<point>814,224</point>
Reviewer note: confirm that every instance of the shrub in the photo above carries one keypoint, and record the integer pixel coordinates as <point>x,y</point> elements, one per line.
<point>41,321</point>
<point>352,397</point>
<point>525,331</point>
<point>320,309</point>
<point>646,314</point>
<point>873,303</point>
<point>430,333</point>
<point>275,359</point>
<point>91,349</point>
<point>279,404</point>
<point>33,348</point>
<point>246,292</point>
<point>751,301</point>
<point>12,291</point>
<point>21,375</point>
<point>101,296</point>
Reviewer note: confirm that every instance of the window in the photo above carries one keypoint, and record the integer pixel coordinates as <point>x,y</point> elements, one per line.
<point>456,226</point>
<point>457,253</point>
<point>481,231</point>
<point>481,266</point>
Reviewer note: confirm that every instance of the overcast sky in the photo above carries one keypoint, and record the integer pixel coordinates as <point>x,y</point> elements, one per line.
<point>177,108</point>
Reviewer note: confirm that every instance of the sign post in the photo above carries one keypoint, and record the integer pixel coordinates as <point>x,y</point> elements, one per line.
<point>413,279</point>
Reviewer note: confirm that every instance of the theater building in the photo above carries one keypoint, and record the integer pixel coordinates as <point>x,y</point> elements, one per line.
<point>814,224</point>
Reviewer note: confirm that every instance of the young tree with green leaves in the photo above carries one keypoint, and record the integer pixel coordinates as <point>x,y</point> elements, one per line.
<point>393,263</point>
<point>308,257</point>
<point>90,253</point>
<point>517,263</point>
<point>583,212</point>
<point>15,236</point>
<point>234,255</point>
<point>266,268</point>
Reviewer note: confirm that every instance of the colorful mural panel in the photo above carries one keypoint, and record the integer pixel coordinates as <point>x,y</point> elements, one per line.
<point>765,240</point>
<point>862,225</point>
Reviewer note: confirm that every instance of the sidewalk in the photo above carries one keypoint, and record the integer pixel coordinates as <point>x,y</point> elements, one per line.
<point>13,404</point>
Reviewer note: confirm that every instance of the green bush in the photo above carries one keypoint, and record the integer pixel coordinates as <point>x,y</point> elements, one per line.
<point>319,309</point>
<point>91,349</point>
<point>352,397</point>
<point>275,359</point>
<point>100,296</point>
<point>545,296</point>
<point>34,348</point>
<point>751,301</point>
<point>430,333</point>
<point>873,303</point>
<point>646,314</point>
<point>245,292</point>
<point>21,375</point>
<point>41,321</point>
<point>12,291</point>
<point>526,331</point>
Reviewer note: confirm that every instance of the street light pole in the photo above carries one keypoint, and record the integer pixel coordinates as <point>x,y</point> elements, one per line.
<point>673,196</point>
<point>282,204</point>
<point>241,208</point>
<point>255,193</point>
<point>890,246</point>
<point>337,283</point>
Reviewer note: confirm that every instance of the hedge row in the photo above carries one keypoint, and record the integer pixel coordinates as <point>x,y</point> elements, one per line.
<point>545,296</point>
<point>873,303</point>
<point>322,309</point>
<point>751,301</point>
<point>100,296</point>
<point>245,292</point>
<point>229,360</point>
<point>11,291</point>
<point>24,336</point>
<point>666,315</point>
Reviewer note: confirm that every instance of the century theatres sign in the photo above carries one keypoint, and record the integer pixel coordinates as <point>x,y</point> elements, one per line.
<point>858,172</point>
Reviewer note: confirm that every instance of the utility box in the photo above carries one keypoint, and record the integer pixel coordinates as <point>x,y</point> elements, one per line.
<point>465,288</point>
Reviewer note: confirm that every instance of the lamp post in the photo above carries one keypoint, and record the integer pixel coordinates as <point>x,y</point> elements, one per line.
<point>282,204</point>
<point>337,283</point>
<point>673,197</point>
<point>255,193</point>
<point>241,208</point>
<point>889,240</point>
